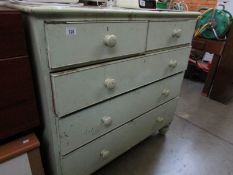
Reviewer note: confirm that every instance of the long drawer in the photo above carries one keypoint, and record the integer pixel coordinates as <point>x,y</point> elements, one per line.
<point>86,125</point>
<point>169,33</point>
<point>72,43</point>
<point>111,145</point>
<point>80,88</point>
<point>18,108</point>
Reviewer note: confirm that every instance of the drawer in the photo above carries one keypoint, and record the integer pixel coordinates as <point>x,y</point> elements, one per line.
<point>80,88</point>
<point>94,155</point>
<point>86,125</point>
<point>12,37</point>
<point>75,43</point>
<point>169,33</point>
<point>18,108</point>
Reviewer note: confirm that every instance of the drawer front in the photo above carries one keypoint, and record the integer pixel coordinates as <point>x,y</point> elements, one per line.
<point>165,34</point>
<point>18,108</point>
<point>71,44</point>
<point>94,155</point>
<point>80,88</point>
<point>86,125</point>
<point>12,37</point>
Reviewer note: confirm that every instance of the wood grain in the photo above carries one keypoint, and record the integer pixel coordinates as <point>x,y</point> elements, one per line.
<point>211,76</point>
<point>222,89</point>
<point>211,46</point>
<point>35,162</point>
<point>18,108</point>
<point>12,39</point>
<point>18,147</point>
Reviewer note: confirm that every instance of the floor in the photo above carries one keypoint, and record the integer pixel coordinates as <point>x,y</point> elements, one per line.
<point>199,142</point>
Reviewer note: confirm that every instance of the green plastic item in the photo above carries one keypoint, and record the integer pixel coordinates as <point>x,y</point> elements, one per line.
<point>213,24</point>
<point>161,5</point>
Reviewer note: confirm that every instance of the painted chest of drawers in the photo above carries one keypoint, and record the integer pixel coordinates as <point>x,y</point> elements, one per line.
<point>107,79</point>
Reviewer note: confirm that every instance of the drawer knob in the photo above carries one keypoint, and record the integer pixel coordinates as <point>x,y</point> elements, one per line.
<point>160,119</point>
<point>110,40</point>
<point>166,92</point>
<point>172,63</point>
<point>104,154</point>
<point>177,33</point>
<point>110,83</point>
<point>107,121</point>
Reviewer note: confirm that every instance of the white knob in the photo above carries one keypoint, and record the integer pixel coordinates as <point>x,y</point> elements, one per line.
<point>104,154</point>
<point>166,92</point>
<point>110,40</point>
<point>177,33</point>
<point>107,121</point>
<point>160,119</point>
<point>172,63</point>
<point>110,83</point>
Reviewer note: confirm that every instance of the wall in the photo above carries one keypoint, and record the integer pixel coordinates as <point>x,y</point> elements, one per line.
<point>228,4</point>
<point>194,5</point>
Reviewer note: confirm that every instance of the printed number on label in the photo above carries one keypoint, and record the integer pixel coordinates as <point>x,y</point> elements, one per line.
<point>71,31</point>
<point>142,3</point>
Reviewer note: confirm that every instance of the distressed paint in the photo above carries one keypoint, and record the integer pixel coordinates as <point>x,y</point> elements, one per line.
<point>88,158</point>
<point>87,85</point>
<point>86,125</point>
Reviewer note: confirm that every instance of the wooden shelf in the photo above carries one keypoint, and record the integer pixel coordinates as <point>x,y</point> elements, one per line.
<point>18,147</point>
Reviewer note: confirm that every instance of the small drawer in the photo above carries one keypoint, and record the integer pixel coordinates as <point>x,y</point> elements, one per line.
<point>111,145</point>
<point>73,43</point>
<point>12,39</point>
<point>169,33</point>
<point>80,88</point>
<point>86,125</point>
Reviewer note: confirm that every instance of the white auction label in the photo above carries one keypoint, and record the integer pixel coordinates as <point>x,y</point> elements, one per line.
<point>142,3</point>
<point>71,31</point>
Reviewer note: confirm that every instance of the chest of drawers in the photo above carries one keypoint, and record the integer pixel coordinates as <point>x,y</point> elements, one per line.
<point>107,78</point>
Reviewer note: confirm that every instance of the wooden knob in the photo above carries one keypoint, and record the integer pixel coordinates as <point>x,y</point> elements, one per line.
<point>107,121</point>
<point>160,119</point>
<point>104,154</point>
<point>177,33</point>
<point>110,83</point>
<point>110,40</point>
<point>172,63</point>
<point>166,92</point>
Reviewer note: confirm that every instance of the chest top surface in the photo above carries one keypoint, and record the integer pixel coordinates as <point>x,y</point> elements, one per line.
<point>103,11</point>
